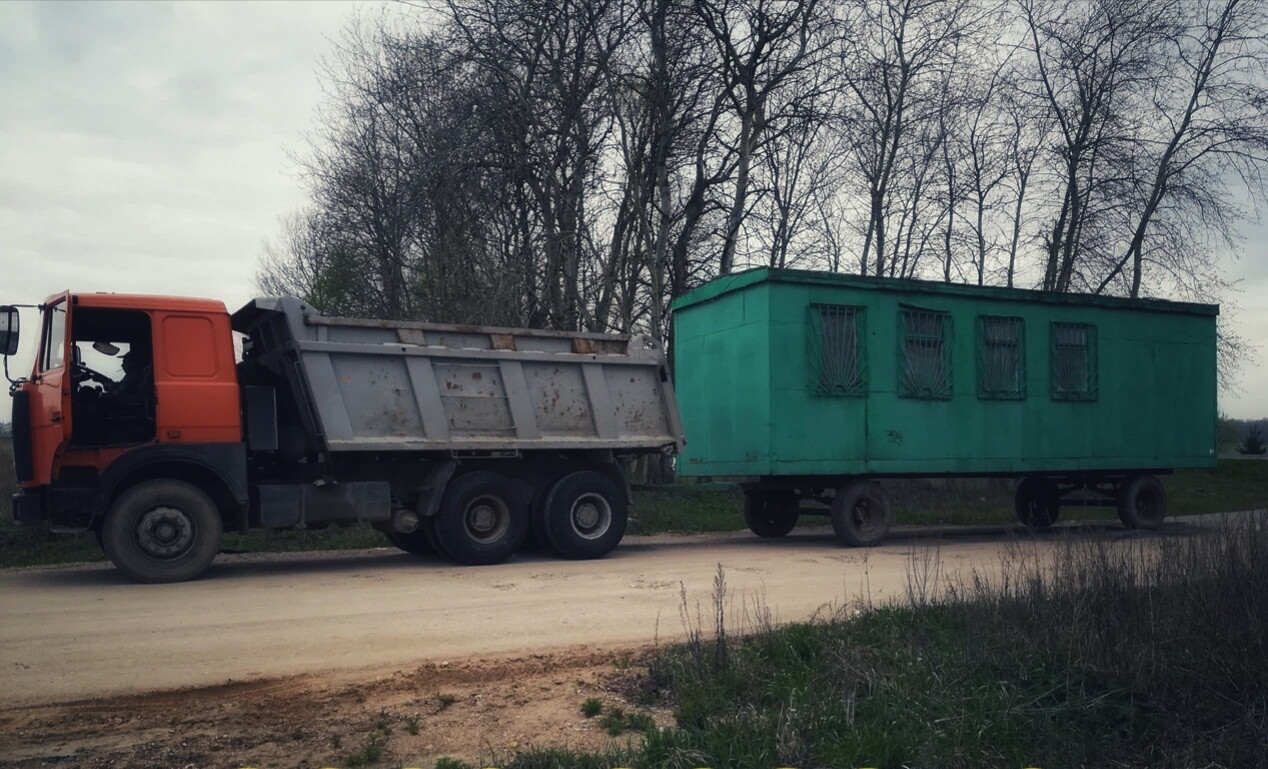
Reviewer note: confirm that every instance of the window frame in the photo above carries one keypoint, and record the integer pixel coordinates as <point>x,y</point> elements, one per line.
<point>53,311</point>
<point>985,346</point>
<point>1091,374</point>
<point>823,379</point>
<point>906,388</point>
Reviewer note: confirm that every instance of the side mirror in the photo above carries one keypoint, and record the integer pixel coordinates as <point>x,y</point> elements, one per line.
<point>8,330</point>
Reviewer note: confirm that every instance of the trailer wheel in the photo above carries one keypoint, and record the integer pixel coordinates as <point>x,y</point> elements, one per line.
<point>481,519</point>
<point>1037,503</point>
<point>770,514</point>
<point>861,514</point>
<point>585,515</point>
<point>162,531</point>
<point>414,542</point>
<point>1142,502</point>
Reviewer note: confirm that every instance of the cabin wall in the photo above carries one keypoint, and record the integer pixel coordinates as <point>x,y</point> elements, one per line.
<point>1154,402</point>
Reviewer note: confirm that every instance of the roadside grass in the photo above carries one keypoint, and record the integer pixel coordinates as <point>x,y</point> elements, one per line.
<point>1137,653</point>
<point>686,508</point>
<point>1140,652</point>
<point>546,758</point>
<point>1237,484</point>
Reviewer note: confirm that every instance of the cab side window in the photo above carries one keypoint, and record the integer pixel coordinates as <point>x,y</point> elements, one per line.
<point>54,352</point>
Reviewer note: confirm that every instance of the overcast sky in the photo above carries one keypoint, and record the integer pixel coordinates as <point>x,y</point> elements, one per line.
<point>144,150</point>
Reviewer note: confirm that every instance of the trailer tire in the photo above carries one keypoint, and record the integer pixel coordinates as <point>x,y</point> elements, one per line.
<point>162,531</point>
<point>861,514</point>
<point>770,514</point>
<point>414,542</point>
<point>1036,502</point>
<point>1142,502</point>
<point>481,519</point>
<point>585,515</point>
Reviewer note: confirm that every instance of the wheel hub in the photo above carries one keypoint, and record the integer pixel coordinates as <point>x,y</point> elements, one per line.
<point>864,516</point>
<point>164,532</point>
<point>487,519</point>
<point>591,516</point>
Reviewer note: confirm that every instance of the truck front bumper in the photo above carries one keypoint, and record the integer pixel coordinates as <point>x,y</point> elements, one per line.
<point>28,507</point>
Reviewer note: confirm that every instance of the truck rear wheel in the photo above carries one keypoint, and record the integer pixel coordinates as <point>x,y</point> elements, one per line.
<point>1036,502</point>
<point>1142,502</point>
<point>585,515</point>
<point>162,531</point>
<point>481,519</point>
<point>770,513</point>
<point>861,514</point>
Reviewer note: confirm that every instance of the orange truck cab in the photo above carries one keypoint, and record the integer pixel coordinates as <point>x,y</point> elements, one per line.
<point>126,389</point>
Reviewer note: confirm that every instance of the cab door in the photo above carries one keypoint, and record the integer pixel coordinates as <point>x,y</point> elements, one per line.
<point>50,391</point>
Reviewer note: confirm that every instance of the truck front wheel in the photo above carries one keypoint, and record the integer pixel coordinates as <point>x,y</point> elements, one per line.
<point>585,515</point>
<point>481,520</point>
<point>162,531</point>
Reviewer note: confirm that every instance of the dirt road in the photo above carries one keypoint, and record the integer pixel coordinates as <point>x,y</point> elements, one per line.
<point>86,632</point>
<point>304,659</point>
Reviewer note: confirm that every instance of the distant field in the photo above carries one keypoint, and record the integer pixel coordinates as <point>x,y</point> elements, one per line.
<point>1237,484</point>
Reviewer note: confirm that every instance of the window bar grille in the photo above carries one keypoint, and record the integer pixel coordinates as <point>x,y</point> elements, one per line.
<point>1001,357</point>
<point>1074,375</point>
<point>925,357</point>
<point>838,363</point>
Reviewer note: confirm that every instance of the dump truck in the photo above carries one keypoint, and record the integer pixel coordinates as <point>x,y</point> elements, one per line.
<point>807,388</point>
<point>138,422</point>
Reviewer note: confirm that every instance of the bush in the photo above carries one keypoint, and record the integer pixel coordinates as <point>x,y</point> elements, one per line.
<point>1254,442</point>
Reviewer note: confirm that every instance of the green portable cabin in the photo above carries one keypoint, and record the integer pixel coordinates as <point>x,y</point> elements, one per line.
<point>804,385</point>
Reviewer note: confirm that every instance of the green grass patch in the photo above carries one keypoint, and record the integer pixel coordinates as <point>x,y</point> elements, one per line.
<point>591,708</point>
<point>563,758</point>
<point>617,722</point>
<point>37,545</point>
<point>1234,485</point>
<point>687,508</point>
<point>1237,484</point>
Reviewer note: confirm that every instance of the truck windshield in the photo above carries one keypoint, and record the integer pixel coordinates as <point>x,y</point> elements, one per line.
<point>54,352</point>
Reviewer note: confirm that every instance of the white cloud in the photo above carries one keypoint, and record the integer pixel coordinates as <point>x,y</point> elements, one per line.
<point>145,143</point>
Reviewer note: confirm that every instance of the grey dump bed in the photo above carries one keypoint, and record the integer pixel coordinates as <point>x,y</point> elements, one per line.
<point>373,385</point>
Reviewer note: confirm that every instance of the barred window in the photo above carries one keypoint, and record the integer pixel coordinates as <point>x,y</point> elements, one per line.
<point>1001,357</point>
<point>925,357</point>
<point>838,360</point>
<point>1074,375</point>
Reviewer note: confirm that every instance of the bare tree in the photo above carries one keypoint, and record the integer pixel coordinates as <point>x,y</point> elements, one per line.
<point>1092,61</point>
<point>892,57</point>
<point>549,62</point>
<point>580,164</point>
<point>762,46</point>
<point>1208,122</point>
